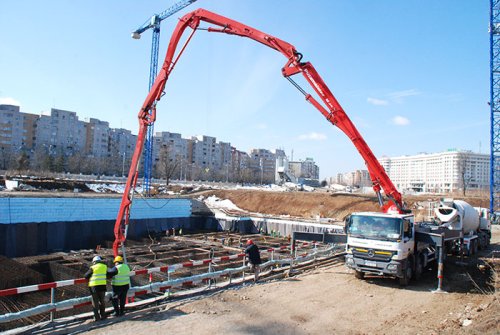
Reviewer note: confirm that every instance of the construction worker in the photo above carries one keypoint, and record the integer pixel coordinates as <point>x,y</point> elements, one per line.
<point>96,276</point>
<point>254,261</point>
<point>120,283</point>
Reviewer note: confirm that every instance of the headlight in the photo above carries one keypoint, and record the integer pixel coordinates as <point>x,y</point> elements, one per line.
<point>392,267</point>
<point>349,260</point>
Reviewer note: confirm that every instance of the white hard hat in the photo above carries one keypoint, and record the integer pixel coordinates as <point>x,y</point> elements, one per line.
<point>96,259</point>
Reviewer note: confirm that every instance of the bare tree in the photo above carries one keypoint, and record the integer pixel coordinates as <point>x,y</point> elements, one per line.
<point>8,158</point>
<point>59,163</point>
<point>464,171</point>
<point>23,161</point>
<point>167,164</point>
<point>76,163</point>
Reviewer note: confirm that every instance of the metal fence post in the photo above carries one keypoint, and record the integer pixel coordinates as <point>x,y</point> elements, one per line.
<point>440,267</point>
<point>243,274</point>
<point>210,271</point>
<point>52,298</point>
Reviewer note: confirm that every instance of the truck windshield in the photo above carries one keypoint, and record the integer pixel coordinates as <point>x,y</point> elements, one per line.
<point>374,227</point>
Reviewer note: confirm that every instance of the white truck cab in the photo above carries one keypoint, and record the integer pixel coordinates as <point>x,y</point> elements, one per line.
<point>380,243</point>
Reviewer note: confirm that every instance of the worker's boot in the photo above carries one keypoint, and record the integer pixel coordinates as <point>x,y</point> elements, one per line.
<point>103,313</point>
<point>114,301</point>
<point>97,317</point>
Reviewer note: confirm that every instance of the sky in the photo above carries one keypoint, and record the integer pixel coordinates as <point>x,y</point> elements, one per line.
<point>412,75</point>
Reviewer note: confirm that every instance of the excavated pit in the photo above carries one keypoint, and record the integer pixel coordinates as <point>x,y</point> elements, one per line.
<point>141,254</point>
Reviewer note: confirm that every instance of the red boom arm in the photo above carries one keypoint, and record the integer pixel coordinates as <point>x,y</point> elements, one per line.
<point>333,111</point>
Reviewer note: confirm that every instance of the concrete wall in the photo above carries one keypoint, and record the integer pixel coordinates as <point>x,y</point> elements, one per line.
<point>33,226</point>
<point>30,210</point>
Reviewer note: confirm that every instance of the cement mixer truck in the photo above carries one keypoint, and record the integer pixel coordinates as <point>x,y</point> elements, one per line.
<point>473,222</point>
<point>392,244</point>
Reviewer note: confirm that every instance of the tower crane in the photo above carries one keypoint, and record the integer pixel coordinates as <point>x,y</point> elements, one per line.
<point>154,23</point>
<point>495,105</point>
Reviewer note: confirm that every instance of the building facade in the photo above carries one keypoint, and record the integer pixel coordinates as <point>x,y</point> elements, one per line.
<point>61,133</point>
<point>442,172</point>
<point>306,169</point>
<point>60,142</point>
<point>357,178</point>
<point>263,164</point>
<point>97,138</point>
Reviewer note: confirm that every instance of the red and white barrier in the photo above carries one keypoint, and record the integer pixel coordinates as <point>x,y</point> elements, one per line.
<point>167,268</point>
<point>152,287</point>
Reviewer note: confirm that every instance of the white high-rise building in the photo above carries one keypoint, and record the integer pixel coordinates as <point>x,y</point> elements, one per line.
<point>441,172</point>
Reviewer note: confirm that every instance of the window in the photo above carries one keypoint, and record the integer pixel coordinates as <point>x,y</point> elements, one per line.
<point>407,228</point>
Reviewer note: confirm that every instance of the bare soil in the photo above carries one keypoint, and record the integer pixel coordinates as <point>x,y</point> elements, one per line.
<point>327,300</point>
<point>326,205</point>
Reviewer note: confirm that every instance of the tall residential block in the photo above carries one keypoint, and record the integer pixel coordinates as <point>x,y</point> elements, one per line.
<point>97,138</point>
<point>264,163</point>
<point>61,133</point>
<point>17,130</point>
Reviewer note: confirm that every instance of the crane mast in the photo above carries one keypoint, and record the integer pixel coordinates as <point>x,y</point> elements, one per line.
<point>154,23</point>
<point>333,112</point>
<point>494,105</point>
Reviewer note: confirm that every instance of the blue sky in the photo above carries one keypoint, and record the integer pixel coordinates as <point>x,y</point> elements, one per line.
<point>412,75</point>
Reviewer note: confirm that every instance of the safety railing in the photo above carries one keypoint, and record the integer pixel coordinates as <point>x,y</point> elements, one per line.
<point>152,287</point>
<point>166,268</point>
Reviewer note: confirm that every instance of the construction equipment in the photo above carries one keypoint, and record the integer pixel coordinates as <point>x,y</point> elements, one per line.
<point>154,23</point>
<point>331,110</point>
<point>395,245</point>
<point>494,30</point>
<point>473,222</point>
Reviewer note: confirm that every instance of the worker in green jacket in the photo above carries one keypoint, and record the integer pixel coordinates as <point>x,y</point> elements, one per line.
<point>96,276</point>
<point>120,283</point>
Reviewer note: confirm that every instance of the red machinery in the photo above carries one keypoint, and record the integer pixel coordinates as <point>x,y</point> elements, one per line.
<point>333,111</point>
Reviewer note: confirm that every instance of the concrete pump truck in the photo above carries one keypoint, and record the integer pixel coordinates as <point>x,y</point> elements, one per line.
<point>393,251</point>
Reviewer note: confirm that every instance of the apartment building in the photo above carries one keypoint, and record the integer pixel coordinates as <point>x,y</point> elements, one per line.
<point>358,178</point>
<point>97,138</point>
<point>441,172</point>
<point>203,151</point>
<point>17,130</point>
<point>263,162</point>
<point>176,145</point>
<point>122,142</point>
<point>239,161</point>
<point>91,145</point>
<point>305,169</point>
<point>60,133</point>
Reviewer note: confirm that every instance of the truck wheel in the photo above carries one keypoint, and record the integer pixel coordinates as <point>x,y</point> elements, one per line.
<point>359,274</point>
<point>475,246</point>
<point>482,241</point>
<point>407,274</point>
<point>419,269</point>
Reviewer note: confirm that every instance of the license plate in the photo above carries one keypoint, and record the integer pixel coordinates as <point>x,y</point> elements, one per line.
<point>371,263</point>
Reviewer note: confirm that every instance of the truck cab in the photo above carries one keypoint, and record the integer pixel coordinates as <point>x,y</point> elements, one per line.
<point>382,244</point>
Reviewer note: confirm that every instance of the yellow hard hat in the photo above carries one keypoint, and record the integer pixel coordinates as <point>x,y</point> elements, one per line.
<point>118,259</point>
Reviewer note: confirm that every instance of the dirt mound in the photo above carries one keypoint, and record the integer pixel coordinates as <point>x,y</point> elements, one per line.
<point>327,205</point>
<point>307,205</point>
